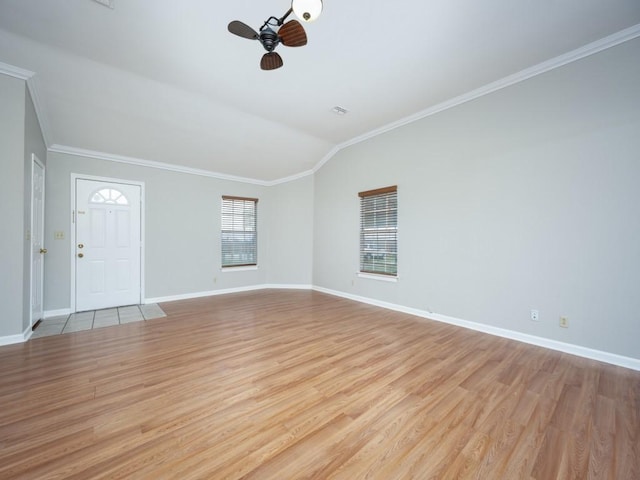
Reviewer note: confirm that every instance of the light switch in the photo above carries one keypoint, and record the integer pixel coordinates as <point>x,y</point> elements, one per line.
<point>58,235</point>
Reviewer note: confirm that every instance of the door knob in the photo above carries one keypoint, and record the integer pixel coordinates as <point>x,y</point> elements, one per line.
<point>81,245</point>
<point>43,250</point>
<point>80,255</point>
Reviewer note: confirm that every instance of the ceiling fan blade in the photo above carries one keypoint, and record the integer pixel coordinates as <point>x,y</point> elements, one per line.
<point>292,34</point>
<point>271,61</point>
<point>243,30</point>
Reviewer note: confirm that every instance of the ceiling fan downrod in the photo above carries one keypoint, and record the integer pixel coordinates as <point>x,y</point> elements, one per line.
<point>275,21</point>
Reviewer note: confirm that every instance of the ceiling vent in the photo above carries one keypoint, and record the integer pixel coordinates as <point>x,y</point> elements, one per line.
<point>106,3</point>
<point>339,110</point>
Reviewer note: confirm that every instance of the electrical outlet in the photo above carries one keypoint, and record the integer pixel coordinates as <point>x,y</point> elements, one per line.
<point>535,315</point>
<point>58,235</point>
<point>564,322</point>
<point>215,279</point>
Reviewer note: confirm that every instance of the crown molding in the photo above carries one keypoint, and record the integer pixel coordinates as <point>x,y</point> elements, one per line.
<point>38,105</point>
<point>557,62</point>
<point>290,178</point>
<point>328,156</point>
<point>15,72</point>
<point>30,78</point>
<point>80,152</point>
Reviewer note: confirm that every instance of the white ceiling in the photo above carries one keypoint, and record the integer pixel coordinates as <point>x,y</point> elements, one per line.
<point>165,81</point>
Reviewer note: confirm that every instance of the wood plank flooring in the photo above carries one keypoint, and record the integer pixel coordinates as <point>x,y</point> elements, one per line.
<point>298,384</point>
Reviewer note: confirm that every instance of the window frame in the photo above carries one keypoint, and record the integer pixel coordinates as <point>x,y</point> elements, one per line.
<point>384,230</point>
<point>236,213</point>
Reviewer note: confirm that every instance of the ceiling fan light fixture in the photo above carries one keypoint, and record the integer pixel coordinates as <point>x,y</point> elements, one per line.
<point>307,10</point>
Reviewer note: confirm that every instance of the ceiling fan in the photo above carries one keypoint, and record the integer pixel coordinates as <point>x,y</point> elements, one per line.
<point>275,31</point>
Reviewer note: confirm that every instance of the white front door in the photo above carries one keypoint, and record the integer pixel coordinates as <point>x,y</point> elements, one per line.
<point>37,239</point>
<point>107,250</point>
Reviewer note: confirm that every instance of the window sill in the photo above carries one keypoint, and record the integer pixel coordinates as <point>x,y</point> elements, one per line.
<point>239,269</point>
<point>383,278</point>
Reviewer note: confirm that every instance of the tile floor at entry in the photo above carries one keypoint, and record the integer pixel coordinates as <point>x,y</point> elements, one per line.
<point>97,319</point>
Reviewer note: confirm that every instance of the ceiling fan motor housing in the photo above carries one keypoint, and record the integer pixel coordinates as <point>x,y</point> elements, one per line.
<point>269,39</point>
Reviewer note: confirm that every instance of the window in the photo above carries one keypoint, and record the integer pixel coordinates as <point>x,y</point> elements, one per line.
<point>379,231</point>
<point>110,196</point>
<point>239,231</point>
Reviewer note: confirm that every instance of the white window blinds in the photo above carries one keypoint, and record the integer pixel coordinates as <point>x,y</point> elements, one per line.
<point>239,231</point>
<point>378,231</point>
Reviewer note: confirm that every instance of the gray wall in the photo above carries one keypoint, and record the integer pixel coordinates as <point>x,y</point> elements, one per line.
<point>12,124</point>
<point>33,143</point>
<point>20,136</point>
<point>290,233</point>
<point>525,198</point>
<point>182,229</point>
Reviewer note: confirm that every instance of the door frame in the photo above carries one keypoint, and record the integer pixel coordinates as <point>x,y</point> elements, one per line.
<point>72,230</point>
<point>36,160</point>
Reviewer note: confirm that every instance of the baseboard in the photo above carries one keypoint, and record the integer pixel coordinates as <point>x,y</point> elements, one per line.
<point>606,357</point>
<point>20,338</point>
<point>187,296</point>
<point>57,313</point>
<point>26,335</point>
<point>288,286</point>
<point>224,291</point>
<point>11,339</point>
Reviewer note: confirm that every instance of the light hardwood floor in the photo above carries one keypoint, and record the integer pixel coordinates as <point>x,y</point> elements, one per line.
<point>297,384</point>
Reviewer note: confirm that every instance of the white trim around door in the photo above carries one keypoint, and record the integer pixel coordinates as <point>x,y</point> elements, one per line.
<point>72,230</point>
<point>36,241</point>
